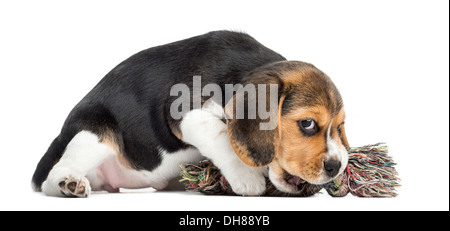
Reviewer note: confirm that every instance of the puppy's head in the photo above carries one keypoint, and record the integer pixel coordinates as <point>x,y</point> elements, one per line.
<point>308,143</point>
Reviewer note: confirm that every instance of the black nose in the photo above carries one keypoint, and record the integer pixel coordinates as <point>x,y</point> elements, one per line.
<point>332,167</point>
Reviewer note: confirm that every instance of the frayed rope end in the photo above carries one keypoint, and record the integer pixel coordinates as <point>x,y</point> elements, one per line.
<point>370,173</point>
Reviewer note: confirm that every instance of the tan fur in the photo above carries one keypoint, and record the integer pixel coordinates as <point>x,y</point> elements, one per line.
<point>175,128</point>
<point>279,125</point>
<point>242,152</point>
<point>300,155</point>
<point>343,139</point>
<point>296,153</point>
<point>303,156</point>
<point>109,138</point>
<point>176,131</point>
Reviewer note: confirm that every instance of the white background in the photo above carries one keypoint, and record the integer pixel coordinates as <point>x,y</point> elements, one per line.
<point>390,60</point>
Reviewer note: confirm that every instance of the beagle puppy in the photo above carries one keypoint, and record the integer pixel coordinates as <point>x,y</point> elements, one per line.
<point>124,134</point>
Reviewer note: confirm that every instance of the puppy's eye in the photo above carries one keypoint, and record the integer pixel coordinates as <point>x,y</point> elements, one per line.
<point>308,127</point>
<point>308,124</point>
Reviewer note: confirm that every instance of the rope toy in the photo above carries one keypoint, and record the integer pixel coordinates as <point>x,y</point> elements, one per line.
<point>370,173</point>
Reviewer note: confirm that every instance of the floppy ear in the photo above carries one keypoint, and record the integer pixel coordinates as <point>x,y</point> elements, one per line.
<point>253,119</point>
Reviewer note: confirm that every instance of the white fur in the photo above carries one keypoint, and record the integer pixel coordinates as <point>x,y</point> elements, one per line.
<point>83,153</point>
<point>204,129</point>
<point>124,177</point>
<point>336,151</point>
<point>332,147</point>
<point>281,183</point>
<point>97,166</point>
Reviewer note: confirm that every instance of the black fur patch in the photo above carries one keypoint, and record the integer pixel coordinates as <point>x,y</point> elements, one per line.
<point>316,89</point>
<point>133,100</point>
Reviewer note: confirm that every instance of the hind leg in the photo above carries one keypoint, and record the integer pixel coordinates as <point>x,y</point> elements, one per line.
<point>68,177</point>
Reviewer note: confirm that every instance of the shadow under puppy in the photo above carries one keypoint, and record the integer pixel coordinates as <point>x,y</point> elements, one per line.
<point>133,130</point>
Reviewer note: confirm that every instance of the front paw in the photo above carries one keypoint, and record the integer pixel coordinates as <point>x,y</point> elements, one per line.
<point>250,183</point>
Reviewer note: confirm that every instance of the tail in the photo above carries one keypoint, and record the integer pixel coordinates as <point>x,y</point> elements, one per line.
<point>50,158</point>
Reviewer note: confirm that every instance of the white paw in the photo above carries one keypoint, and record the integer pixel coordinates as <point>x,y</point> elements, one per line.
<point>247,183</point>
<point>75,187</point>
<point>63,182</point>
